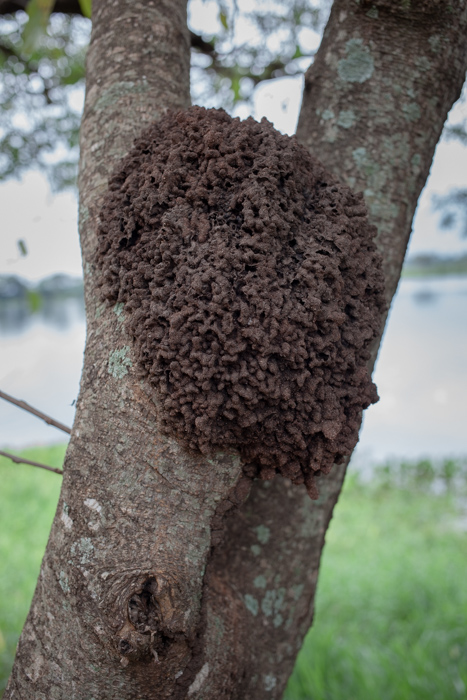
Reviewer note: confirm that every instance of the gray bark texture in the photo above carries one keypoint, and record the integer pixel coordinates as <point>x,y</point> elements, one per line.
<point>166,575</point>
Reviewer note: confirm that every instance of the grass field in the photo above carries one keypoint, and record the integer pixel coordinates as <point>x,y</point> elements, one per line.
<point>28,497</point>
<point>391,608</point>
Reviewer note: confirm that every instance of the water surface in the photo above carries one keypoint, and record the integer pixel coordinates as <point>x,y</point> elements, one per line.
<point>421,372</point>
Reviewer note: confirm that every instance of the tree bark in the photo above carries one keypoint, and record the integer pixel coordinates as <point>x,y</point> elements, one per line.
<point>162,577</point>
<point>375,102</point>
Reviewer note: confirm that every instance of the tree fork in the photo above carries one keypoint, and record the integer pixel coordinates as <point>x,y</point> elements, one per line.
<point>133,599</point>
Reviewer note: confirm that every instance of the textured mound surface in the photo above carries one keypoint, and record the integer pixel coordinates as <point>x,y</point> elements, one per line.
<point>252,287</point>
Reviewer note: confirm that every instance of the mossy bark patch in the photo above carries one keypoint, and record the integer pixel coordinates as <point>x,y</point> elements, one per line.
<point>119,362</point>
<point>251,286</point>
<point>358,65</point>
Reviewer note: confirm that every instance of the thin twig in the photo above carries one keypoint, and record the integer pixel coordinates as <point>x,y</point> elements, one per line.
<point>35,412</point>
<point>21,460</point>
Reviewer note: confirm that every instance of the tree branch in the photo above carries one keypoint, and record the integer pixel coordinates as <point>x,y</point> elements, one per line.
<point>206,47</point>
<point>21,460</point>
<point>26,407</point>
<point>7,51</point>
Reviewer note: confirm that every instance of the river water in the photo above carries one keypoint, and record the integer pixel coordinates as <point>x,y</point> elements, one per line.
<point>421,372</point>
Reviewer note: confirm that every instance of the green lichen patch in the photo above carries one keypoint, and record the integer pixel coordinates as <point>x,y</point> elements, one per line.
<point>260,582</point>
<point>424,64</point>
<point>346,118</point>
<point>63,581</point>
<point>84,549</point>
<point>119,362</point>
<point>327,115</point>
<point>278,620</point>
<point>118,90</point>
<point>358,65</point>
<point>435,43</point>
<point>100,308</point>
<point>273,602</point>
<point>270,682</point>
<point>416,162</point>
<point>297,590</point>
<point>251,604</point>
<point>364,162</point>
<point>411,112</point>
<point>118,308</point>
<point>263,533</point>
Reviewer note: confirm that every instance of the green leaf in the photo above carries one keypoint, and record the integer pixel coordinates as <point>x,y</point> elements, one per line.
<point>223,20</point>
<point>235,87</point>
<point>22,247</point>
<point>298,52</point>
<point>86,7</point>
<point>38,18</point>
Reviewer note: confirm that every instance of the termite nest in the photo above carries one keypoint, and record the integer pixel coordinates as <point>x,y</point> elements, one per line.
<point>252,288</point>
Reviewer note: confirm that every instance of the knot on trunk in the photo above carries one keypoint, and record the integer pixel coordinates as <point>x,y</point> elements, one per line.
<point>149,632</point>
<point>251,286</point>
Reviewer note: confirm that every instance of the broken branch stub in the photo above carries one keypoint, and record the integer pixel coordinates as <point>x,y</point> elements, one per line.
<point>252,288</point>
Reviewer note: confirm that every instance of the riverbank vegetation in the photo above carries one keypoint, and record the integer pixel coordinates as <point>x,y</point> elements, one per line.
<point>433,265</point>
<point>60,286</point>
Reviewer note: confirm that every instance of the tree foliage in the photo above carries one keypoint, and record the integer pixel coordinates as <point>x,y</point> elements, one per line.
<point>42,65</point>
<point>41,95</point>
<point>271,40</point>
<point>42,56</point>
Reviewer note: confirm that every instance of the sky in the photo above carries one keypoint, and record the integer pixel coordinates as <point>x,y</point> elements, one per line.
<point>47,223</point>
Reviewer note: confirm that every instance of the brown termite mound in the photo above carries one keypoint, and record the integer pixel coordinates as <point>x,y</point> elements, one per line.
<point>251,286</point>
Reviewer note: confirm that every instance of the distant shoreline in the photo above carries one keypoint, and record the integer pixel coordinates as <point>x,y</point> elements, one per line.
<point>430,265</point>
<point>13,287</point>
<point>16,288</point>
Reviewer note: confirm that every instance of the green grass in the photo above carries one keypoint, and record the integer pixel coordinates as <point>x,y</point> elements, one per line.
<point>391,608</point>
<point>28,497</point>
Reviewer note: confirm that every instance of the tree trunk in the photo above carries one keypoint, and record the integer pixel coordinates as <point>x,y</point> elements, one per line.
<point>162,577</point>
